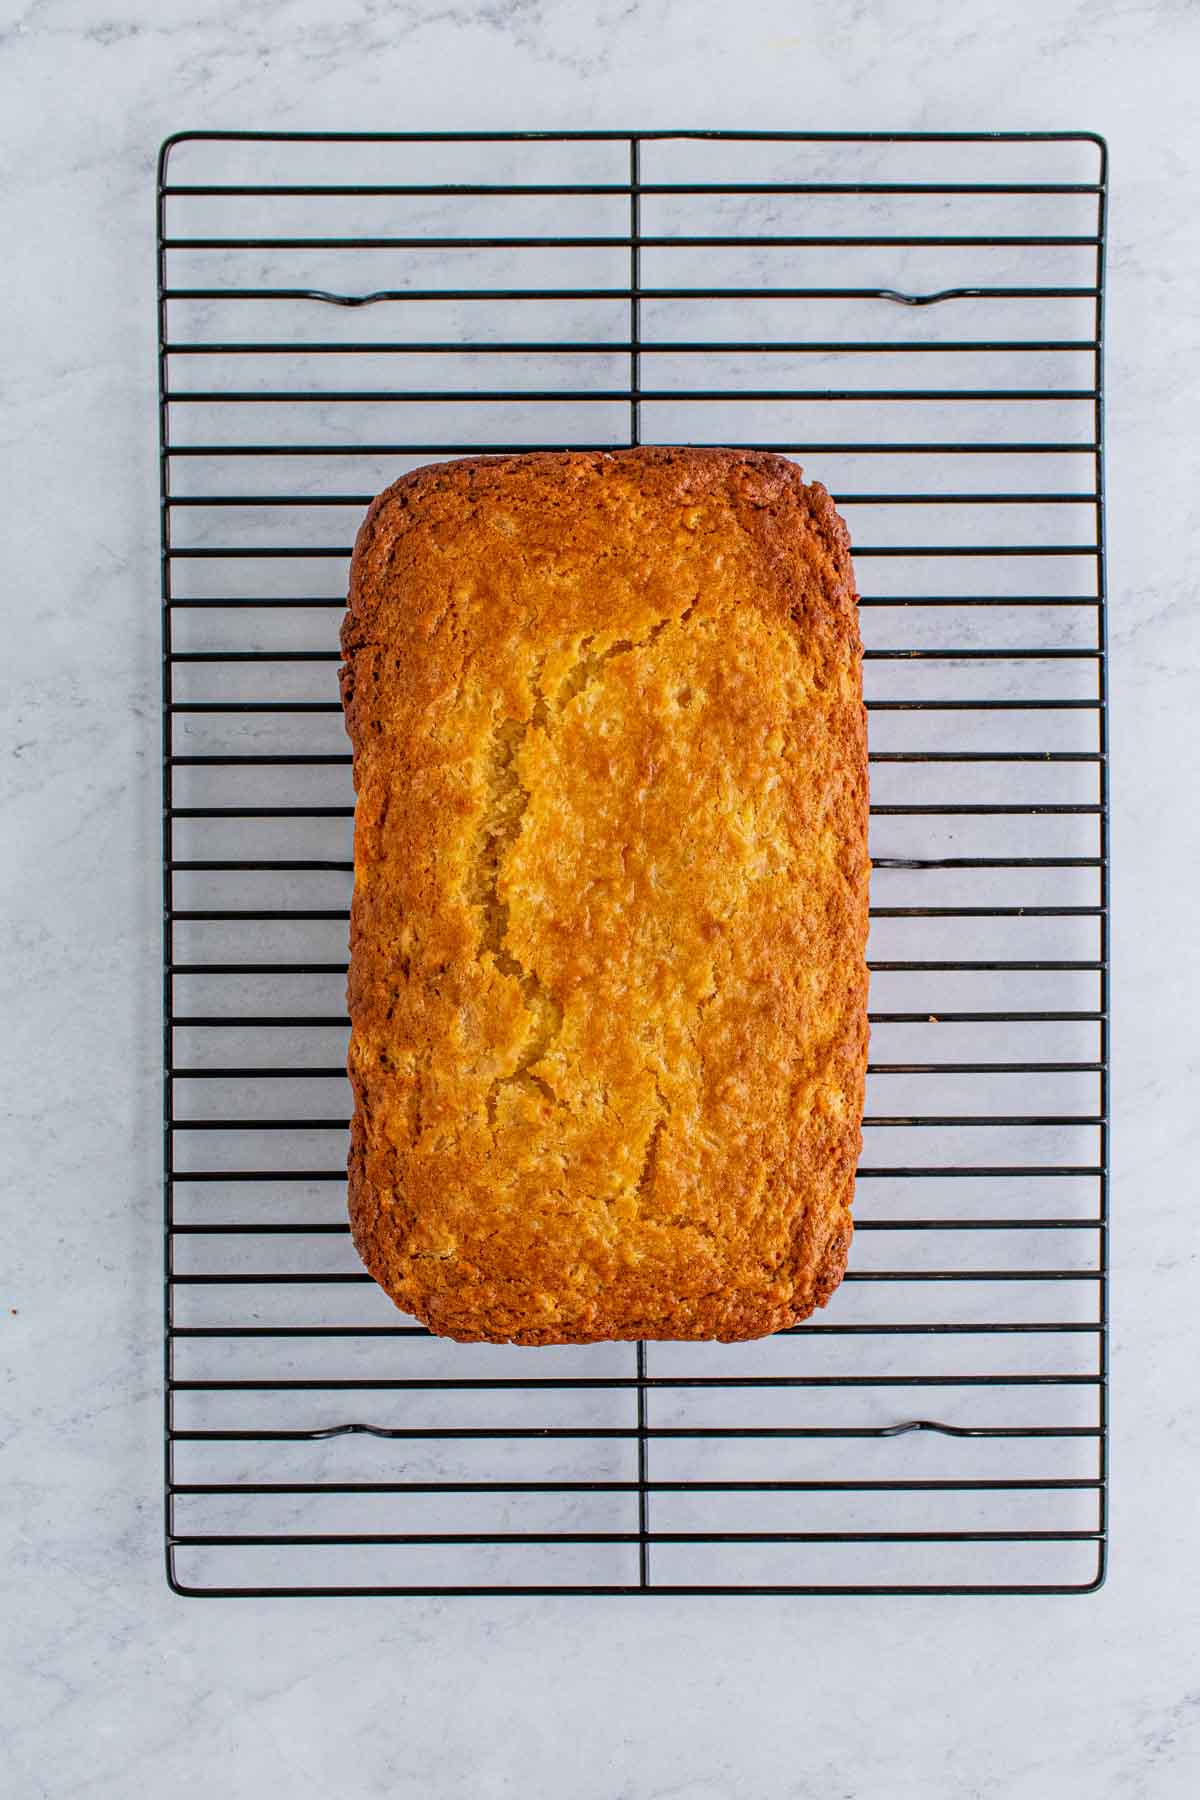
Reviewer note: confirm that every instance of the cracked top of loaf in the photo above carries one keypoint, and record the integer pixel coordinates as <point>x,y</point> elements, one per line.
<point>607,980</point>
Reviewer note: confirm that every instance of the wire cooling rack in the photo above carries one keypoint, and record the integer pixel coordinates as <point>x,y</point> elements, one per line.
<point>918,319</point>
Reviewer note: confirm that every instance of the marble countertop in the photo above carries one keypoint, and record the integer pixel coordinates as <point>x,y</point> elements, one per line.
<point>110,1684</point>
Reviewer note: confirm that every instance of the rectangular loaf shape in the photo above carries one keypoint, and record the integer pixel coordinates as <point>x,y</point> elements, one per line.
<point>607,981</point>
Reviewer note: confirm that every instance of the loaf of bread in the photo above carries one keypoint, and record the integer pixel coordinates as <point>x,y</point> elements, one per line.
<point>607,980</point>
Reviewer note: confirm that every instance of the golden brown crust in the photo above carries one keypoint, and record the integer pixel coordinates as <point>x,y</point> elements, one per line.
<point>607,984</point>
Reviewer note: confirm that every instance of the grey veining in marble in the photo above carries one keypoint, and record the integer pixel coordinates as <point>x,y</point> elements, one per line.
<point>109,1685</point>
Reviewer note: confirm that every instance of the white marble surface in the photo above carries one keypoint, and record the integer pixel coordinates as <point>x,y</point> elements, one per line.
<point>112,1686</point>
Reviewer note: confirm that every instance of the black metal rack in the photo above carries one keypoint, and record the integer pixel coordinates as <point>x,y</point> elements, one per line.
<point>919,319</point>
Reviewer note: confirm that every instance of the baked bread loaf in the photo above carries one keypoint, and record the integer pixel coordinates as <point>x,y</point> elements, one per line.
<point>607,979</point>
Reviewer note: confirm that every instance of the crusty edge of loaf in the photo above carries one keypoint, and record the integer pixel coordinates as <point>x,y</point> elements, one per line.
<point>721,1321</point>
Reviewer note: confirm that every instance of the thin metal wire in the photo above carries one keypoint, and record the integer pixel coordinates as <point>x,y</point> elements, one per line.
<point>240,1103</point>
